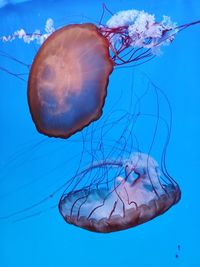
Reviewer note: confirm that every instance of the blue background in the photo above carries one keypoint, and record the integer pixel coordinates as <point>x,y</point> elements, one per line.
<point>32,166</point>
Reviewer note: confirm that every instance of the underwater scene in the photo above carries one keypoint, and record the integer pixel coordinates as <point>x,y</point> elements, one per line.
<point>99,133</point>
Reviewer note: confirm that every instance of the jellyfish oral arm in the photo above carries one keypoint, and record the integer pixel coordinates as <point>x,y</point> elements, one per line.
<point>30,37</point>
<point>138,30</point>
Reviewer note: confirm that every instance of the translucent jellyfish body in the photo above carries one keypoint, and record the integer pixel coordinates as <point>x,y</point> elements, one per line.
<point>137,194</point>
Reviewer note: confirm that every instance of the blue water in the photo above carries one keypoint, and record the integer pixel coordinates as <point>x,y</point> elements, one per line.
<point>33,166</point>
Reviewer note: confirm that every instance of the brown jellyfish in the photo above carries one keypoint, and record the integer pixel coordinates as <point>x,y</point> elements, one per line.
<point>137,194</point>
<point>69,76</point>
<point>68,80</point>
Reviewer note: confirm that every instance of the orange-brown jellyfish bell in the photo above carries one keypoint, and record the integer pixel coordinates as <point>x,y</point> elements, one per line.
<point>68,80</point>
<point>133,192</point>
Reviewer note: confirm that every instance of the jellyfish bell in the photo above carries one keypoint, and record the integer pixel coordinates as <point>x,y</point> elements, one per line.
<point>137,195</point>
<point>68,80</point>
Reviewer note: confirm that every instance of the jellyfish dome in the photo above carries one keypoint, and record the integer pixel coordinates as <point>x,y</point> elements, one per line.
<point>68,80</point>
<point>138,194</point>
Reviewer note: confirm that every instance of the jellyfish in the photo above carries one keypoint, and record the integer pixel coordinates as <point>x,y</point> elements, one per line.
<point>69,76</point>
<point>137,195</point>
